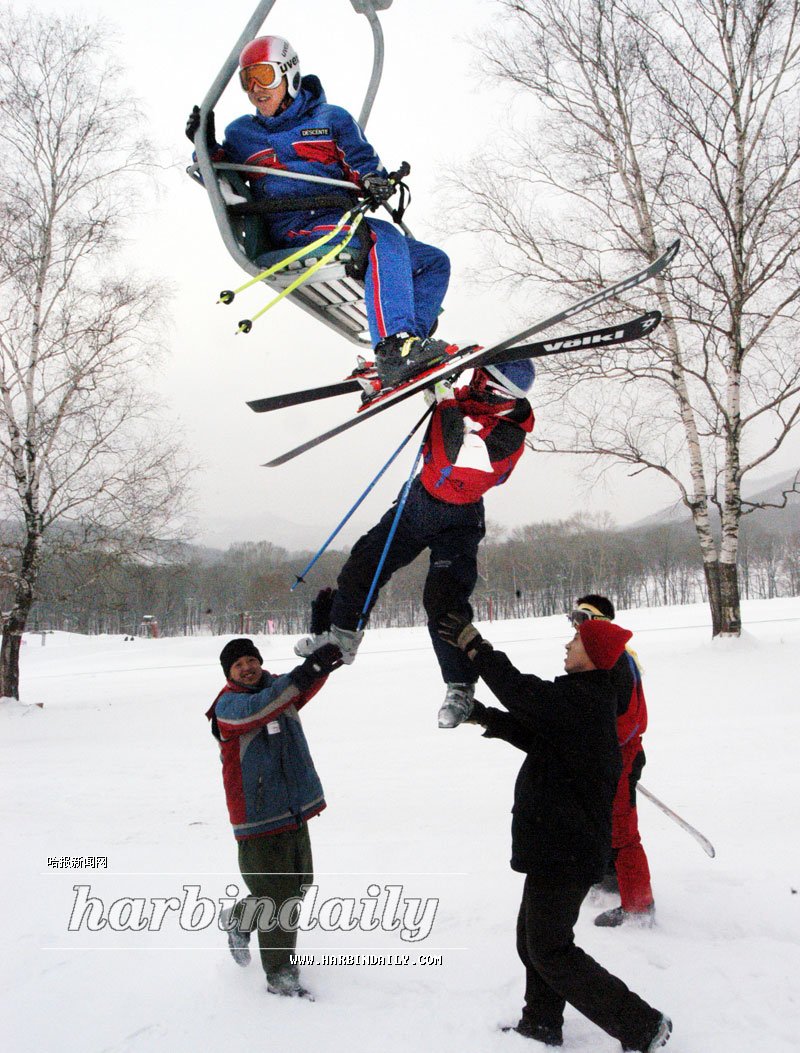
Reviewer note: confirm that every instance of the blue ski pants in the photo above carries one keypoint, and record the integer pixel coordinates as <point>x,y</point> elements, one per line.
<point>406,280</point>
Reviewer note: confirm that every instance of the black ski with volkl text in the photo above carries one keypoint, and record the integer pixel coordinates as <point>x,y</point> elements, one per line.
<point>477,356</point>
<point>608,336</point>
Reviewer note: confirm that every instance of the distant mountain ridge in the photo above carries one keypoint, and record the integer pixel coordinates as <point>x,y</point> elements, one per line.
<point>773,520</point>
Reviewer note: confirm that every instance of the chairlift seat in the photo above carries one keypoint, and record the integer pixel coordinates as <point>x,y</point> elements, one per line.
<point>336,290</point>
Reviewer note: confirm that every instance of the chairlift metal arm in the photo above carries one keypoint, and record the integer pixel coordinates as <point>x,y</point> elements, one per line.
<point>201,148</point>
<point>370,8</point>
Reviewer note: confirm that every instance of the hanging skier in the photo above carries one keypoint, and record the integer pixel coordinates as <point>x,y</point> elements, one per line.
<point>477,435</point>
<point>295,129</point>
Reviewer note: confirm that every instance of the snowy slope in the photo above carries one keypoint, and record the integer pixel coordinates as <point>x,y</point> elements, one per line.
<point>119,763</point>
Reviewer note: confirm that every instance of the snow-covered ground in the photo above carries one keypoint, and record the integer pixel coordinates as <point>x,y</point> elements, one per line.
<point>119,765</point>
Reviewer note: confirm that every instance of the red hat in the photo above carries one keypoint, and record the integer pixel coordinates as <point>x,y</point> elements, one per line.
<point>603,641</point>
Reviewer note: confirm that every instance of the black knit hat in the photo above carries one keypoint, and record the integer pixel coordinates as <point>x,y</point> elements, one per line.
<point>234,650</point>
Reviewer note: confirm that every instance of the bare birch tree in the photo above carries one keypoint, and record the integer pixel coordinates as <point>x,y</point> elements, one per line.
<point>656,119</point>
<point>81,459</point>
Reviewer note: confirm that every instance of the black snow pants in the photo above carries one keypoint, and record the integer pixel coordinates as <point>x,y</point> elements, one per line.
<point>452,533</point>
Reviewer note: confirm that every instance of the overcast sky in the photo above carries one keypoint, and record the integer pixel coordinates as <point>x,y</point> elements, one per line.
<point>432,110</point>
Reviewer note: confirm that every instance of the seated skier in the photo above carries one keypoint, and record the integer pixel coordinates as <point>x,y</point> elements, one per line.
<point>476,436</point>
<point>295,129</point>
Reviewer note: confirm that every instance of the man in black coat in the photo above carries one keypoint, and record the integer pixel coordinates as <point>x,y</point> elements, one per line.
<point>561,824</point>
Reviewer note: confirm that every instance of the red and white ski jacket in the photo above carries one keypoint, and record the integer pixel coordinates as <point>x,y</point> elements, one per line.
<point>473,446</point>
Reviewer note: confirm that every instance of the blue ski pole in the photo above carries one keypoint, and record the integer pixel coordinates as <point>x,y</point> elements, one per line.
<point>400,506</point>
<point>301,576</point>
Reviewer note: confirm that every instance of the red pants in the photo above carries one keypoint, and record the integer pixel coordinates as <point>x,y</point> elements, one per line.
<point>633,873</point>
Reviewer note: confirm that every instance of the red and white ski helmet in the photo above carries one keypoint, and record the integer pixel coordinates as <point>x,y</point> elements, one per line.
<point>266,60</point>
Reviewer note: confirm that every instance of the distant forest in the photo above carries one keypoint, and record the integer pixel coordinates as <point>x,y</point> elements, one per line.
<point>535,570</point>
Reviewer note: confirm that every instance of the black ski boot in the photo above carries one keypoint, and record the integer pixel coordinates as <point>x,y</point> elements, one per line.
<point>400,357</point>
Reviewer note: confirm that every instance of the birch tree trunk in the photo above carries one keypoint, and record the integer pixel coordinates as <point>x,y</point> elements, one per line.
<point>82,455</point>
<point>647,120</point>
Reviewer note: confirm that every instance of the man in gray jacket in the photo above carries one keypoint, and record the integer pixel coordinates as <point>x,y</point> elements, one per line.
<point>272,790</point>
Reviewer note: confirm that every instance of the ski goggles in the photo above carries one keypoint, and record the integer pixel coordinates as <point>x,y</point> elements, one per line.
<point>263,74</point>
<point>585,614</point>
<point>484,385</point>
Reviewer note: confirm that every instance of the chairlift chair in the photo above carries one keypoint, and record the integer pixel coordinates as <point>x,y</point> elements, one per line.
<point>335,293</point>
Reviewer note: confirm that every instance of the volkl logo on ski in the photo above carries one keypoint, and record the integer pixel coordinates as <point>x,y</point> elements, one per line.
<point>586,341</point>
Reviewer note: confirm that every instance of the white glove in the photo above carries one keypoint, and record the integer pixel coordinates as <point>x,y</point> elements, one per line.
<point>440,391</point>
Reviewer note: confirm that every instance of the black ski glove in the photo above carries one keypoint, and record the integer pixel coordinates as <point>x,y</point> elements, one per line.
<point>377,188</point>
<point>193,124</point>
<point>477,714</point>
<point>459,631</point>
<point>321,611</point>
<point>322,662</point>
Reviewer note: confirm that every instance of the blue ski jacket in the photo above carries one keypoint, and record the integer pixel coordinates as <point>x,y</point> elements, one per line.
<point>270,780</point>
<point>311,137</point>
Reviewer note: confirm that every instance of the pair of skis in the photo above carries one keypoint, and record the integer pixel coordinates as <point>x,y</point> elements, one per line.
<point>507,350</point>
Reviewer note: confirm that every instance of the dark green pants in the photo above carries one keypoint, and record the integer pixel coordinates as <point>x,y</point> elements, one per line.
<point>273,866</point>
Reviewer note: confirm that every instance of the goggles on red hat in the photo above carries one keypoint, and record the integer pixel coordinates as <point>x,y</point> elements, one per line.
<point>486,389</point>
<point>264,74</point>
<point>585,612</point>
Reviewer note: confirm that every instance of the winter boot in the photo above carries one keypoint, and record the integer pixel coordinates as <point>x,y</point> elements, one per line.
<point>661,1037</point>
<point>238,943</point>
<point>400,357</point>
<point>457,705</point>
<point>347,640</point>
<point>548,1036</point>
<point>286,982</point>
<point>658,1040</point>
<point>610,919</point>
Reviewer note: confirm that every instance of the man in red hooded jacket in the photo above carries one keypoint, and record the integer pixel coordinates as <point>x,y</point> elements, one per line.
<point>476,436</point>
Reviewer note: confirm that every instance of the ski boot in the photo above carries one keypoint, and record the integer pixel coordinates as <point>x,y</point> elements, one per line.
<point>457,705</point>
<point>401,357</point>
<point>238,943</point>
<point>347,640</point>
<point>610,919</point>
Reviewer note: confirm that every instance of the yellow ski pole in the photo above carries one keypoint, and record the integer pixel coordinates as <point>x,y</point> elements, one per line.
<point>227,295</point>
<point>247,323</point>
